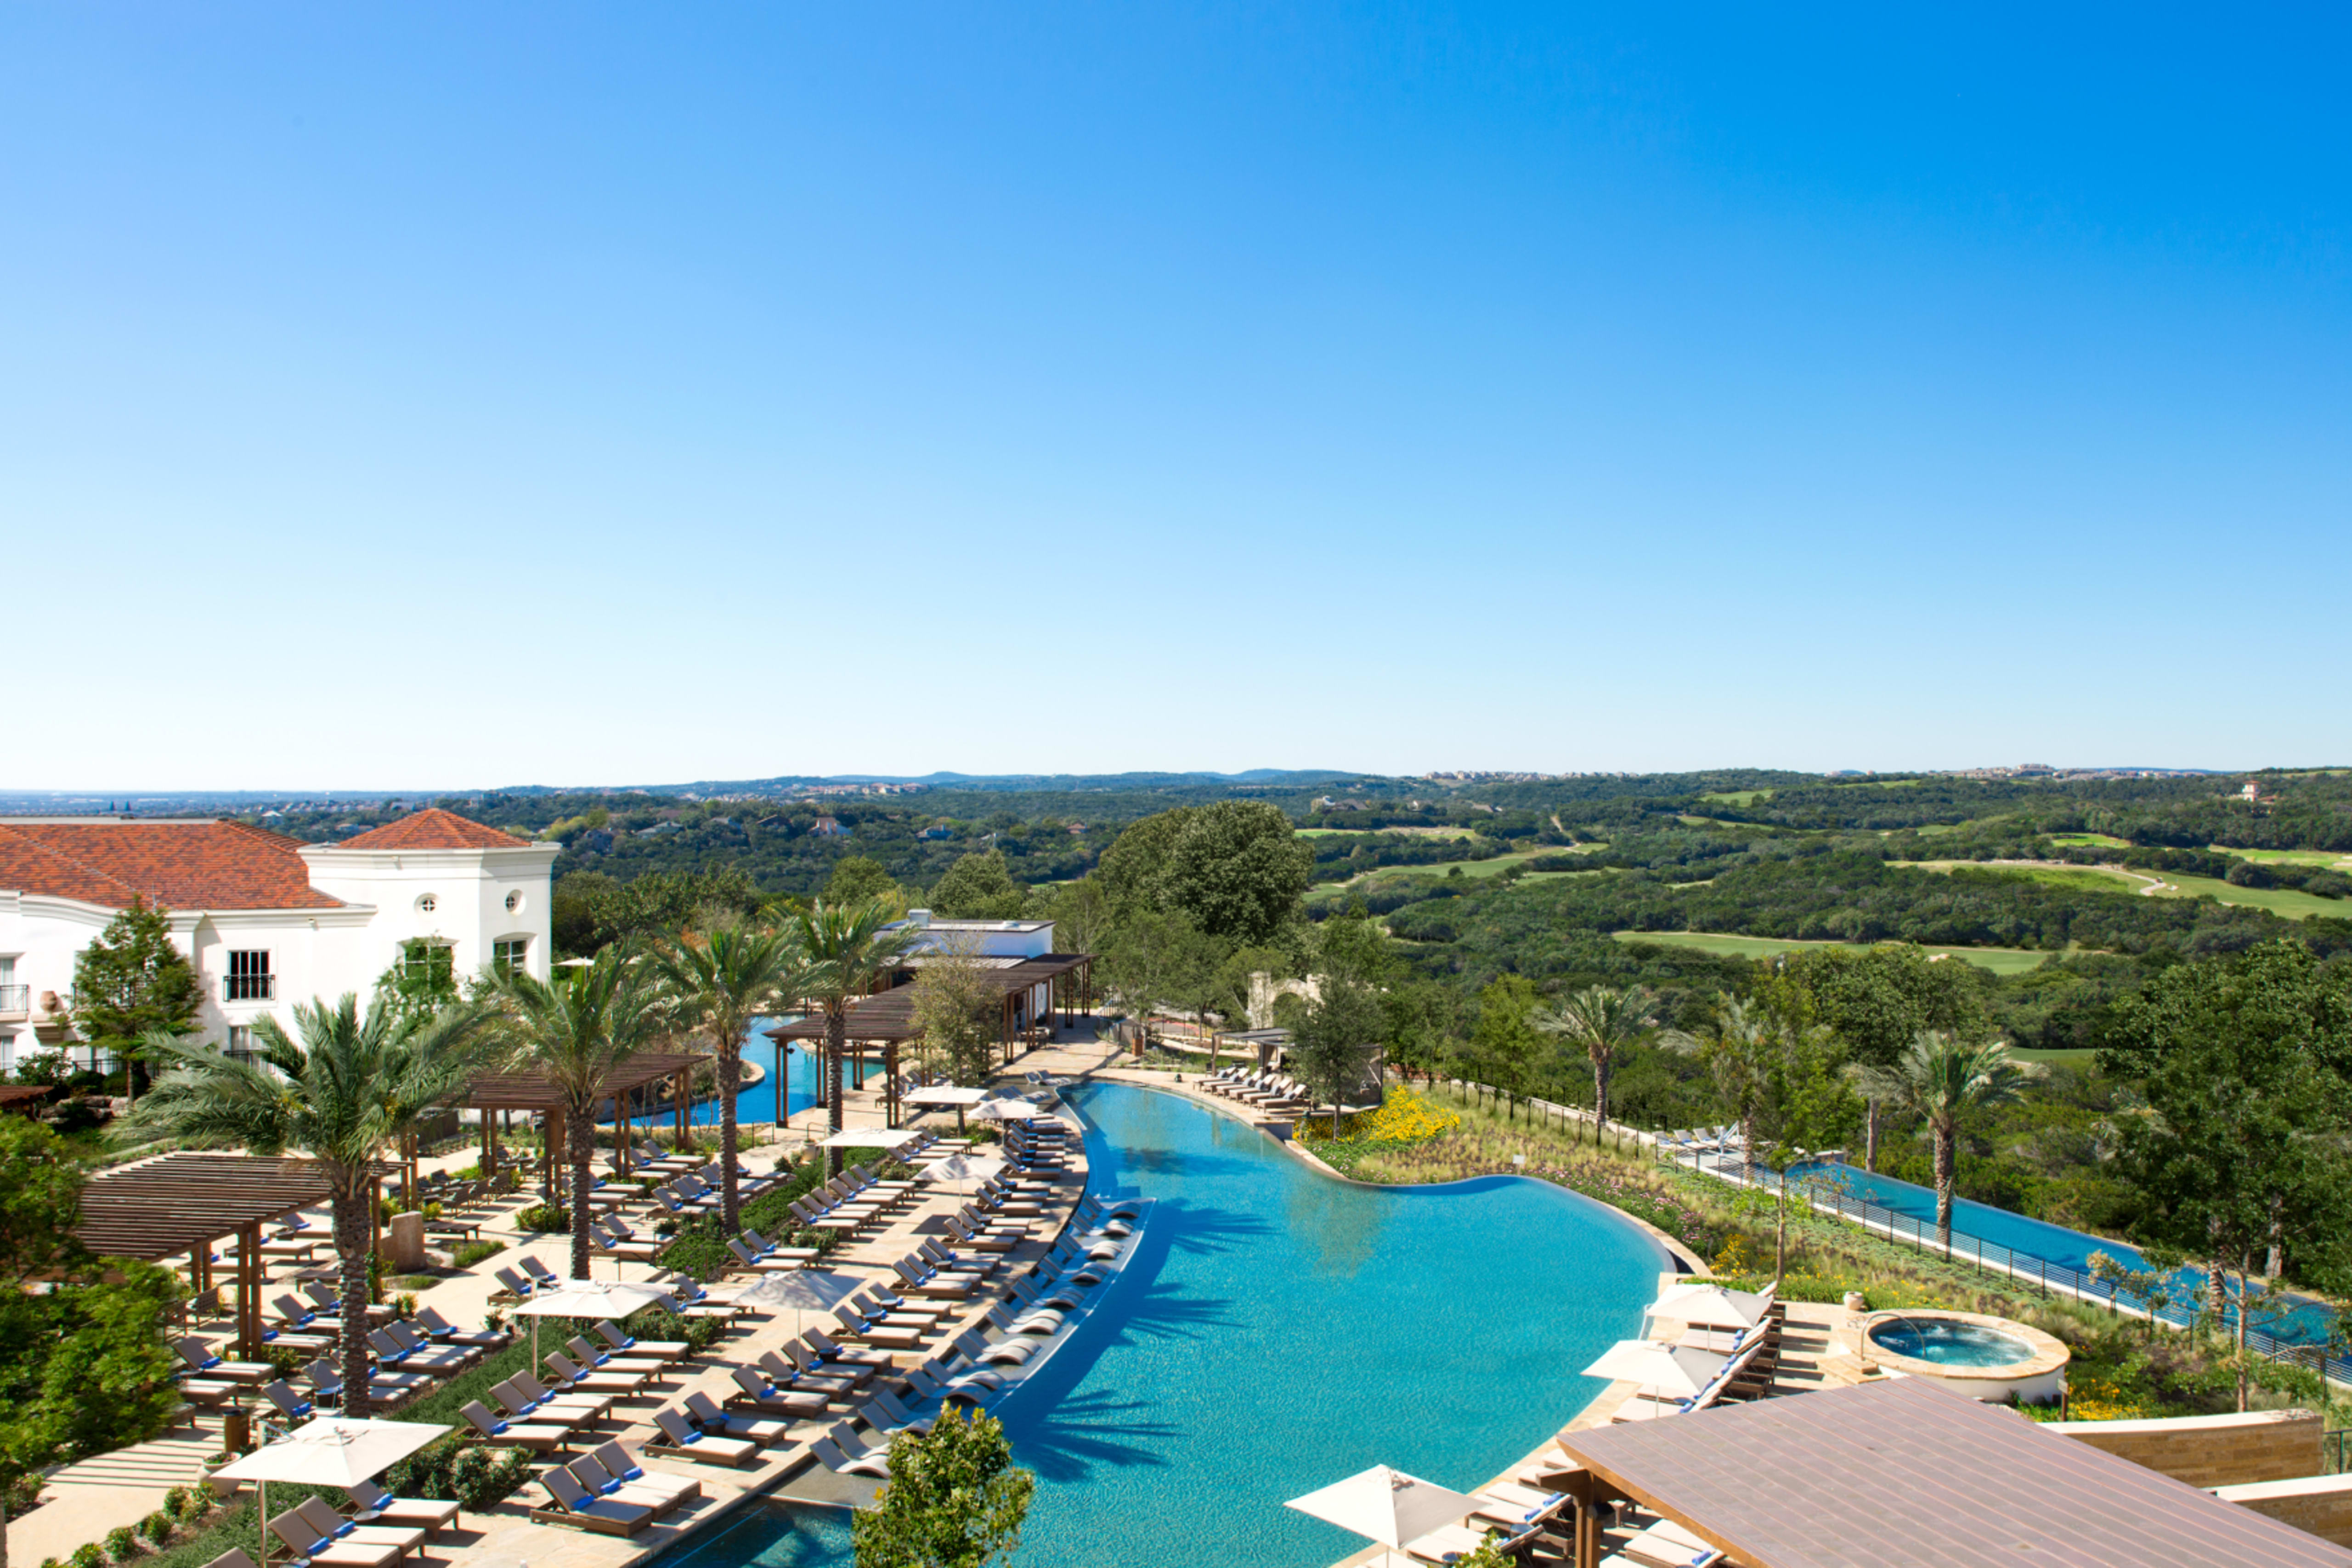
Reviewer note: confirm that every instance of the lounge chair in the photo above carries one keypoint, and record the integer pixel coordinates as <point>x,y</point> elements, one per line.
<point>875,1462</point>
<point>307,1542</point>
<point>705,1413</point>
<point>252,1373</point>
<point>537,1395</point>
<point>543,1411</point>
<point>661,1493</point>
<point>801,1369</point>
<point>537,1437</point>
<point>755,1392</point>
<point>658,1349</point>
<point>291,1404</point>
<point>682,1440</point>
<point>823,1346</point>
<point>430,1514</point>
<point>597,1358</point>
<point>575,1505</point>
<point>540,1275</point>
<point>315,1512</point>
<point>580,1380</point>
<point>512,1287</point>
<point>442,1329</point>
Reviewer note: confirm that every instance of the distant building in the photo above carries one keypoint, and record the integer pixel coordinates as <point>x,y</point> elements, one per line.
<point>829,828</point>
<point>940,831</point>
<point>2252,791</point>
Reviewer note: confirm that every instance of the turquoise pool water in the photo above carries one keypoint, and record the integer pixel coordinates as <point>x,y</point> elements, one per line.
<point>2302,1321</point>
<point>797,1083</point>
<point>1948,1343</point>
<point>1276,1331</point>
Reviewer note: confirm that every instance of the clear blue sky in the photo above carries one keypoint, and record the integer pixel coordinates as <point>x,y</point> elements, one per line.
<point>411,396</point>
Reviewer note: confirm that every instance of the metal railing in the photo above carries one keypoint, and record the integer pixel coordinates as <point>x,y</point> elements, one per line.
<point>16,999</point>
<point>1992,1258</point>
<point>248,987</point>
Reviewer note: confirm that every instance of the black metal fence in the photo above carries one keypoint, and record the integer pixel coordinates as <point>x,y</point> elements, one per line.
<point>1995,1258</point>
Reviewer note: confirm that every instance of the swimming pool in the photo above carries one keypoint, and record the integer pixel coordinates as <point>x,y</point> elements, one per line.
<point>1276,1331</point>
<point>797,1083</point>
<point>2307,1322</point>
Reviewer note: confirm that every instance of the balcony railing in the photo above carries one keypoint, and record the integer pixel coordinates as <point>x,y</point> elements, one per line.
<point>16,999</point>
<point>248,988</point>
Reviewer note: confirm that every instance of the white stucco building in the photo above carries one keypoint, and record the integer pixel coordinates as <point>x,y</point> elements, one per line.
<point>266,920</point>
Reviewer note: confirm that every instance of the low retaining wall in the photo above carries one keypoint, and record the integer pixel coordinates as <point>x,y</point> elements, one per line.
<point>2321,1505</point>
<point>2211,1451</point>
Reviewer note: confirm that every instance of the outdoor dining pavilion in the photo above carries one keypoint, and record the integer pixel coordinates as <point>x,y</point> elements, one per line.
<point>1903,1474</point>
<point>629,1087</point>
<point>183,1203</point>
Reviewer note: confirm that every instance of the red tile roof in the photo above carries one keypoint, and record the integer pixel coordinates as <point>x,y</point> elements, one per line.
<point>434,829</point>
<point>180,865</point>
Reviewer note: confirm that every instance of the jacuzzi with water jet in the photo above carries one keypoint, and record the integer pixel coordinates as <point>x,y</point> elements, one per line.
<point>1987,1358</point>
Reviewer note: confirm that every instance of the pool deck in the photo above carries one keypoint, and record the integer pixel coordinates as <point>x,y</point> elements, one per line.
<point>83,1503</point>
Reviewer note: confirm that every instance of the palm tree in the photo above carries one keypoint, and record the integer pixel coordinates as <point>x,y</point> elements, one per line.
<point>575,1030</point>
<point>1739,1047</point>
<point>1603,1020</point>
<point>721,980</point>
<point>1944,1080</point>
<point>843,953</point>
<point>341,1095</point>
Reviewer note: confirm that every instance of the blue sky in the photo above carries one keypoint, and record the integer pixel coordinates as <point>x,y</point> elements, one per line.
<point>429,395</point>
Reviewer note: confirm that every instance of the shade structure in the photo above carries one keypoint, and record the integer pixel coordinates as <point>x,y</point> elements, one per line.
<point>871,1138</point>
<point>963,1167</point>
<point>1008,1111</point>
<point>1711,1307</point>
<point>1673,1369</point>
<point>803,1290</point>
<point>1385,1505</point>
<point>588,1298</point>
<point>946,1095</point>
<point>328,1452</point>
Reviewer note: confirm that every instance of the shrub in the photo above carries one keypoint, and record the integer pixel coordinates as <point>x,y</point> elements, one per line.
<point>156,1527</point>
<point>541,1216</point>
<point>122,1543</point>
<point>469,1253</point>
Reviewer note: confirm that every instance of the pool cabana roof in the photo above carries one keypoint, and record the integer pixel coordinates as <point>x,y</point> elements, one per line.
<point>1902,1474</point>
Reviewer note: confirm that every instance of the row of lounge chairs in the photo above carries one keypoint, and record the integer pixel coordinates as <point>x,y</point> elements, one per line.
<point>1265,1090</point>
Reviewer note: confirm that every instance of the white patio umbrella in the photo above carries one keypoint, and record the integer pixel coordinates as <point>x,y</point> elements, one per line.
<point>1710,1307</point>
<point>962,1168</point>
<point>1385,1505</point>
<point>1008,1111</point>
<point>871,1138</point>
<point>593,1299</point>
<point>328,1452</point>
<point>802,1289</point>
<point>948,1094</point>
<point>1669,1368</point>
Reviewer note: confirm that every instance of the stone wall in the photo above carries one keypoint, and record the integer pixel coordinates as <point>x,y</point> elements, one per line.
<point>2211,1451</point>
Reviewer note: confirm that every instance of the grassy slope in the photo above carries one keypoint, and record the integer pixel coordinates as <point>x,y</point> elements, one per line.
<point>2291,903</point>
<point>1999,960</point>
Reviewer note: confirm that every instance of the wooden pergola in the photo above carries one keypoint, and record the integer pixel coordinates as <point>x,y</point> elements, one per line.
<point>886,1019</point>
<point>180,1203</point>
<point>629,1085</point>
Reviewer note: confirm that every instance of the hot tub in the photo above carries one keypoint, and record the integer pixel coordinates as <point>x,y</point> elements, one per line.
<point>1984,1358</point>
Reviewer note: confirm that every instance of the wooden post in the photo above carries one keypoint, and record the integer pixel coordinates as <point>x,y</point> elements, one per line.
<point>248,1294</point>
<point>684,1095</point>
<point>555,1130</point>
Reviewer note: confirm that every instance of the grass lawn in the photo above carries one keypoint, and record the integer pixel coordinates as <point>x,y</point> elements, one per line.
<point>2059,1058</point>
<point>1472,870</point>
<point>2088,840</point>
<point>1999,960</point>
<point>1743,799</point>
<point>2075,879</point>
<point>2291,902</point>
<point>2286,857</point>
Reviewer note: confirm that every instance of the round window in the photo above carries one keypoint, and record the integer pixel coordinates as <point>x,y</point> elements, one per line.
<point>514,903</point>
<point>425,903</point>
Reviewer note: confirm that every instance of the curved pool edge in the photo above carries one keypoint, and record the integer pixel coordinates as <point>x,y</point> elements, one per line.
<point>1677,1252</point>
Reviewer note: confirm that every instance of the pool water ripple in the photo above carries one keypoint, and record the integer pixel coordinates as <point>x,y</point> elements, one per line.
<point>1276,1330</point>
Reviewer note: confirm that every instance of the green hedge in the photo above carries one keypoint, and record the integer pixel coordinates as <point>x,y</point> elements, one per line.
<point>699,1249</point>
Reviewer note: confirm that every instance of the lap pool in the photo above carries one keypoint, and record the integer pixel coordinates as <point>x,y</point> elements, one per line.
<point>1278,1330</point>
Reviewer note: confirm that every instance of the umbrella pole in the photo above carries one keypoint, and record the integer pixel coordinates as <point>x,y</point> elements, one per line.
<point>261,1518</point>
